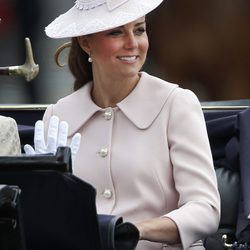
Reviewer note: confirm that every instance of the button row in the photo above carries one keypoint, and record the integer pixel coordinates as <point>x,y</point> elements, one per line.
<point>107,193</point>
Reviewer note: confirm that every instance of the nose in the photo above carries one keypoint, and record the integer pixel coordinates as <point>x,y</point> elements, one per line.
<point>130,41</point>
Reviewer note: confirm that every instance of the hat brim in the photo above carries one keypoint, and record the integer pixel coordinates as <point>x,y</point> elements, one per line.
<point>76,22</point>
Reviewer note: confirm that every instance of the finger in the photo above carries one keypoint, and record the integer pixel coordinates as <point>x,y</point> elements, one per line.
<point>75,144</point>
<point>52,134</point>
<point>62,134</point>
<point>29,150</point>
<point>39,142</point>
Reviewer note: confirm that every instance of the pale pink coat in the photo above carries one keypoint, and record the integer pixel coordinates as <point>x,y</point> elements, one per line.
<point>147,157</point>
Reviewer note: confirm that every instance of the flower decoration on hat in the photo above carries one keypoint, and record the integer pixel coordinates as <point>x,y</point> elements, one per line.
<point>90,4</point>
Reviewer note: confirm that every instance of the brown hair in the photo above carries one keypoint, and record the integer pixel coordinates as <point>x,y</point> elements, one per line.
<point>78,63</point>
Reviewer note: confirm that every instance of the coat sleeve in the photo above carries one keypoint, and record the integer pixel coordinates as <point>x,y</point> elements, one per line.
<point>9,137</point>
<point>198,211</point>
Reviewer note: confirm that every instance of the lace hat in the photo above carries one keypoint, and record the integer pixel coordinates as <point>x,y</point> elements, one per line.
<point>91,16</point>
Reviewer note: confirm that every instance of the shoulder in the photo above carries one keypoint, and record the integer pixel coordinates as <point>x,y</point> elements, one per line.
<point>167,93</point>
<point>75,108</point>
<point>73,100</point>
<point>9,137</point>
<point>157,83</point>
<point>74,97</point>
<point>183,105</point>
<point>7,123</point>
<point>170,99</point>
<point>184,98</point>
<point>174,90</point>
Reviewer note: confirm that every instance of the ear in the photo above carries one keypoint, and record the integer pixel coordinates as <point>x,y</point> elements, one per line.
<point>84,43</point>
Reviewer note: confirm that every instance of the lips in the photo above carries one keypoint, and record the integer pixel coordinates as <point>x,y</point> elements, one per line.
<point>127,58</point>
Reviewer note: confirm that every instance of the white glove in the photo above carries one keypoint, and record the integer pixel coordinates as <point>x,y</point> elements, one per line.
<point>57,137</point>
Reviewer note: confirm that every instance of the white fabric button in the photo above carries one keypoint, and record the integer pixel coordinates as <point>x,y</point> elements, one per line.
<point>107,193</point>
<point>103,152</point>
<point>108,114</point>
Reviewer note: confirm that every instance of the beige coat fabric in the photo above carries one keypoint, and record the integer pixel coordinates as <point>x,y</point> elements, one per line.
<point>147,157</point>
<point>9,137</point>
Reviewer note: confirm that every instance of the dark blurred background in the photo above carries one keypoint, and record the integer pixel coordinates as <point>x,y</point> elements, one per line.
<point>201,45</point>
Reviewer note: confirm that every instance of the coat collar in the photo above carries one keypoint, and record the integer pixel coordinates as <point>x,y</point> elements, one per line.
<point>141,106</point>
<point>145,102</point>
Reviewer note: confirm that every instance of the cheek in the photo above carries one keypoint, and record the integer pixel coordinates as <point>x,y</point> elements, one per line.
<point>107,48</point>
<point>144,45</point>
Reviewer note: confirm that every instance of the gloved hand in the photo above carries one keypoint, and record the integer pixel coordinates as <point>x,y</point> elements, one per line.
<point>57,137</point>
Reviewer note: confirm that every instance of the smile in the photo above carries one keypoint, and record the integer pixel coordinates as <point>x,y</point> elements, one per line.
<point>128,58</point>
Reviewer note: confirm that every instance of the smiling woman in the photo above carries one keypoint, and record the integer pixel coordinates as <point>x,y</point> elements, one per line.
<point>116,55</point>
<point>144,144</point>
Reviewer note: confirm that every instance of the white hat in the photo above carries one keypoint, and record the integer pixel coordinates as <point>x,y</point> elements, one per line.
<point>91,16</point>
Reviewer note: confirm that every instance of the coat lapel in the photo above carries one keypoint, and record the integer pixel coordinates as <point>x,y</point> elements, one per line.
<point>145,102</point>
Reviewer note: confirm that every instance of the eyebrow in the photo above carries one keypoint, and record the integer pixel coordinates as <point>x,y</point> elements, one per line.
<point>144,22</point>
<point>140,23</point>
<point>137,24</point>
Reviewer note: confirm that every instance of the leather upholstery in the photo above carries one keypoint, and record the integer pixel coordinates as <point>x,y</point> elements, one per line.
<point>223,134</point>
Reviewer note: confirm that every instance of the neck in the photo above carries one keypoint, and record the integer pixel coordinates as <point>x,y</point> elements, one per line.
<point>109,92</point>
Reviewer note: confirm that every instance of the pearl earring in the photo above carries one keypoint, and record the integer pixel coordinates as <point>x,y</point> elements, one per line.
<point>90,59</point>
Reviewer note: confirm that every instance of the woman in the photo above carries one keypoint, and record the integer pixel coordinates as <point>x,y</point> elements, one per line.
<point>144,145</point>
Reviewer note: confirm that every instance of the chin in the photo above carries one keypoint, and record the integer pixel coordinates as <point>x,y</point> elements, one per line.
<point>131,73</point>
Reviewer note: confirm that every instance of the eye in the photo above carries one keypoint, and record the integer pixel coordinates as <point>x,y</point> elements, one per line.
<point>139,31</point>
<point>116,32</point>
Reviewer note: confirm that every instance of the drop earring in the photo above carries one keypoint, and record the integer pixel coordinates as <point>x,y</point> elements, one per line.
<point>90,59</point>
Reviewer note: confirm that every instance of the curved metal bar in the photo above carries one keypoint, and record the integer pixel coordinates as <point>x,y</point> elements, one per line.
<point>29,69</point>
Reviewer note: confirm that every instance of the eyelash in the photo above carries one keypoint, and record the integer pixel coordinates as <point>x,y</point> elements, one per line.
<point>138,31</point>
<point>141,30</point>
